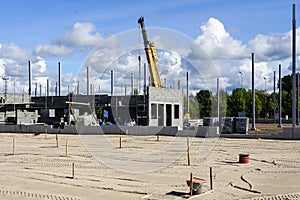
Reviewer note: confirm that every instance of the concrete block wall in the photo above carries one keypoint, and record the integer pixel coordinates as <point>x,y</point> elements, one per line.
<point>15,98</point>
<point>165,96</point>
<point>26,117</point>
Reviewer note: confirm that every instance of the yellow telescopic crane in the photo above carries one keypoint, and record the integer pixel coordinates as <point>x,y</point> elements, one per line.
<point>152,57</point>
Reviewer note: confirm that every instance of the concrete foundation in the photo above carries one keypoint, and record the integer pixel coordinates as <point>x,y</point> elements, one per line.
<point>132,130</point>
<point>142,131</point>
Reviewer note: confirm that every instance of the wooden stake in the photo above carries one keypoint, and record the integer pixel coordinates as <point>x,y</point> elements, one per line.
<point>14,146</point>
<point>67,146</point>
<point>126,134</point>
<point>73,170</point>
<point>120,142</point>
<point>188,150</point>
<point>157,137</point>
<point>191,184</point>
<point>211,177</point>
<point>56,140</point>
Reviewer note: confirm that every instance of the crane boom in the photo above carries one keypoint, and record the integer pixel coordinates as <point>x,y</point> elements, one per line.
<point>152,57</point>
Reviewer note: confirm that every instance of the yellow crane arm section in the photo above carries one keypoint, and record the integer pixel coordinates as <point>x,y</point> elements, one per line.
<point>152,57</point>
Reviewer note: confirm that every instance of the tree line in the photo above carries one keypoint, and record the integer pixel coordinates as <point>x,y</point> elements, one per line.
<point>204,103</point>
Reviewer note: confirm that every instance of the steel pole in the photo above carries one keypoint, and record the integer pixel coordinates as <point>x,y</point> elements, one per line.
<point>280,97</point>
<point>294,71</point>
<point>59,78</point>
<point>187,92</point>
<point>274,96</point>
<point>253,95</point>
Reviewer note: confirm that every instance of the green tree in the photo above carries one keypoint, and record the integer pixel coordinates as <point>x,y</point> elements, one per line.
<point>286,83</point>
<point>286,103</point>
<point>260,103</point>
<point>258,106</point>
<point>204,98</point>
<point>248,103</point>
<point>287,95</point>
<point>223,104</point>
<point>236,102</point>
<point>194,107</point>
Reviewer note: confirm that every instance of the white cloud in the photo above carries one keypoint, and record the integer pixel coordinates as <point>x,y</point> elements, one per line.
<point>40,80</point>
<point>42,63</point>
<point>53,50</point>
<point>218,43</point>
<point>231,55</point>
<point>170,65</point>
<point>214,49</point>
<point>14,64</point>
<point>13,52</point>
<point>81,35</point>
<point>271,47</point>
<point>3,63</point>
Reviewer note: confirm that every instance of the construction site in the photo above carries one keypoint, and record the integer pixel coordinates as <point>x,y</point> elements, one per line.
<point>157,106</point>
<point>144,145</point>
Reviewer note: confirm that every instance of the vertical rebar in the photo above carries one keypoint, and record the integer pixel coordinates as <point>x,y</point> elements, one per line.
<point>211,178</point>
<point>191,184</point>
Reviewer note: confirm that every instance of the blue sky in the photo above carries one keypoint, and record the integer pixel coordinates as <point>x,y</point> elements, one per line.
<point>29,29</point>
<point>28,23</point>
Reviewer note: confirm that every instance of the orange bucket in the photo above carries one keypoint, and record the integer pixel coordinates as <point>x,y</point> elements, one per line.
<point>244,158</point>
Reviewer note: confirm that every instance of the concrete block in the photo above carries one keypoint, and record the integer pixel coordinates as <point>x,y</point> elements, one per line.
<point>288,133</point>
<point>208,131</point>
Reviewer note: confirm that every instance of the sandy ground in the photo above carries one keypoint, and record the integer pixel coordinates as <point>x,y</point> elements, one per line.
<point>268,128</point>
<point>37,169</point>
